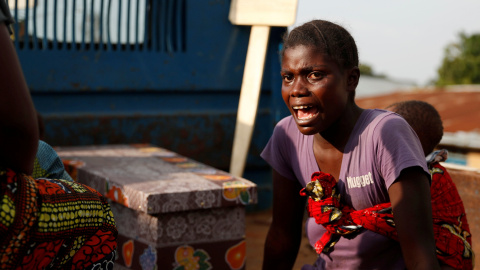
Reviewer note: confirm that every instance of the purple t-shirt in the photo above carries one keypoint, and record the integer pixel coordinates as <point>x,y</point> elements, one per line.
<point>381,145</point>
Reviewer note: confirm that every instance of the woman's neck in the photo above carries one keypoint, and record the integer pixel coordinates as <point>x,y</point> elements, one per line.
<point>337,135</point>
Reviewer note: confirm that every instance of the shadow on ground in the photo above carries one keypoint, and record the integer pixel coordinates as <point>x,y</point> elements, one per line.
<point>257,224</point>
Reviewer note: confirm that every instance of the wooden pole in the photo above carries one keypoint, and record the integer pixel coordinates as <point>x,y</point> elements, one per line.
<point>249,96</point>
<point>261,15</point>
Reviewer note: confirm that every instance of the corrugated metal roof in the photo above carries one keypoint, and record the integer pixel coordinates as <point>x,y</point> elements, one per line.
<point>458,106</point>
<point>369,86</point>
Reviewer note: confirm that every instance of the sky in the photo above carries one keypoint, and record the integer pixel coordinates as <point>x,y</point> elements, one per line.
<point>404,40</point>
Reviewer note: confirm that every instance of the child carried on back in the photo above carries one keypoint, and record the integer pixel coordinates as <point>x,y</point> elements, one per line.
<point>451,230</point>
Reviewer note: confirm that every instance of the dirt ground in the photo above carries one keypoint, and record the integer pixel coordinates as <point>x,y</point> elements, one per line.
<point>257,225</point>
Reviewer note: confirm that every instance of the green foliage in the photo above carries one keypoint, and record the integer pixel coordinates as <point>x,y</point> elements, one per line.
<point>367,70</point>
<point>461,63</point>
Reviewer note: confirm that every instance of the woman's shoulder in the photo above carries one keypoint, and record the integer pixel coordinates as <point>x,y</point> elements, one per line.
<point>378,114</point>
<point>287,124</point>
<point>287,127</point>
<point>286,121</point>
<point>380,117</point>
<point>375,123</point>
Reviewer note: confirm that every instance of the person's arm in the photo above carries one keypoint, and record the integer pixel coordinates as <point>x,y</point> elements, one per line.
<point>410,198</point>
<point>18,122</point>
<point>284,236</point>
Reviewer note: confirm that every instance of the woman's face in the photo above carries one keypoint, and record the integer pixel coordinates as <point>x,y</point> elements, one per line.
<point>314,88</point>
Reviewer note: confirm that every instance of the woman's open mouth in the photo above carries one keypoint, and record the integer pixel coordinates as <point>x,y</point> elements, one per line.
<point>305,112</point>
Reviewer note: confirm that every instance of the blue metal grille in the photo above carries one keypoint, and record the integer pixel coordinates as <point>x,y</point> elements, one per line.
<point>108,25</point>
<point>165,72</point>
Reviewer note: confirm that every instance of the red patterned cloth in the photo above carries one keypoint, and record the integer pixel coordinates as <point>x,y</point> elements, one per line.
<point>451,230</point>
<point>324,205</point>
<point>53,224</point>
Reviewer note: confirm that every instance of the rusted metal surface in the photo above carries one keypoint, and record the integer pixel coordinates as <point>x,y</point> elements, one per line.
<point>458,107</point>
<point>204,137</point>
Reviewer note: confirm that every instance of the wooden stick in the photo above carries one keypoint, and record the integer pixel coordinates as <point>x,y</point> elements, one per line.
<point>249,96</point>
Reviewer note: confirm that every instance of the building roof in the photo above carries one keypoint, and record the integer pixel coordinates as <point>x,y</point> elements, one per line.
<point>458,106</point>
<point>369,86</point>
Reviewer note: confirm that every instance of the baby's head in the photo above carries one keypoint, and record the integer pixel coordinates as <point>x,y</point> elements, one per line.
<point>328,38</point>
<point>424,119</point>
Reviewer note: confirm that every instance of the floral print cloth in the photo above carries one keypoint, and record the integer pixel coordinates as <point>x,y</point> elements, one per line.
<point>53,224</point>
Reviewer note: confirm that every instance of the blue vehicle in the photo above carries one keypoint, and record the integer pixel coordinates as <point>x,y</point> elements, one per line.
<point>162,72</point>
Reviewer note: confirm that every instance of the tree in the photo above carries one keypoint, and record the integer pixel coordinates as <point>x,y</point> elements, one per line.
<point>461,63</point>
<point>366,69</point>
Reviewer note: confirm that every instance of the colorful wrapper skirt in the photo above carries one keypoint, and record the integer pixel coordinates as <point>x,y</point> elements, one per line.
<point>53,224</point>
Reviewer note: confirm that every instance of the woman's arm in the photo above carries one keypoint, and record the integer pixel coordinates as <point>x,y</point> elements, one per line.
<point>284,236</point>
<point>412,211</point>
<point>18,122</point>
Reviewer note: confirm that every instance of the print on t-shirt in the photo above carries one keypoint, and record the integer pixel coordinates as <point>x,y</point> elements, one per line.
<point>359,181</point>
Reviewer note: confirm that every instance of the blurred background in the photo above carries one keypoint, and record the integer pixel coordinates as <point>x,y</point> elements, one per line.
<point>403,40</point>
